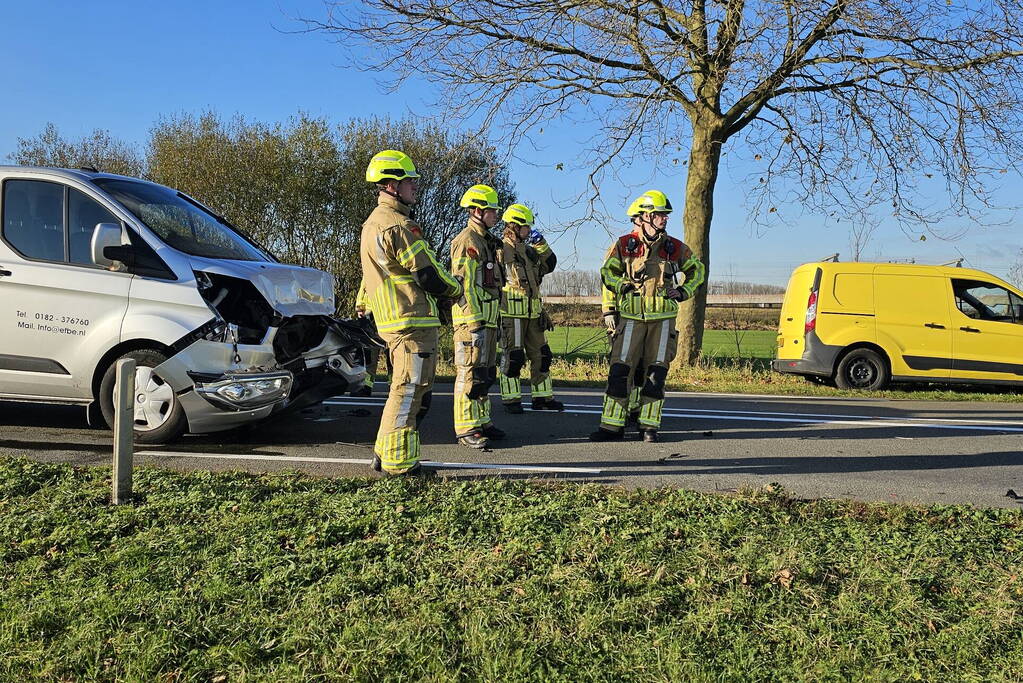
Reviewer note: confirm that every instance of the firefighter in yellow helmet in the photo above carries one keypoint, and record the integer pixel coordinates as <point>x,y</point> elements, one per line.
<point>646,274</point>
<point>474,261</point>
<point>526,258</point>
<point>402,280</point>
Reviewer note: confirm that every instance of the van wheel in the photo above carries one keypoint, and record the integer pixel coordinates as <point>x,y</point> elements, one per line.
<point>862,369</point>
<point>159,417</point>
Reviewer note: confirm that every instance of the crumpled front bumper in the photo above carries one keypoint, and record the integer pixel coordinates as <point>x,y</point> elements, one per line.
<point>200,373</point>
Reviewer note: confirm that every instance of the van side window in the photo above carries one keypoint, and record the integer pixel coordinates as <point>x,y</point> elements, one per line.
<point>83,216</point>
<point>33,218</point>
<point>986,301</point>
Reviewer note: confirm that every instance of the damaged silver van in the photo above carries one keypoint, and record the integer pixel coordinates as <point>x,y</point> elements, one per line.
<point>96,267</point>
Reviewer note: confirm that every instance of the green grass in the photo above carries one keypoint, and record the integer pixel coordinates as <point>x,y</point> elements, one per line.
<point>736,362</point>
<point>285,577</point>
<point>592,342</point>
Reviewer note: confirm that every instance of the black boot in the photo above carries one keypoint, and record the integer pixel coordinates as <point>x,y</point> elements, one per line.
<point>475,440</point>
<point>377,467</point>
<point>607,435</point>
<point>493,433</point>
<point>633,420</point>
<point>514,408</point>
<point>649,435</point>
<point>548,404</point>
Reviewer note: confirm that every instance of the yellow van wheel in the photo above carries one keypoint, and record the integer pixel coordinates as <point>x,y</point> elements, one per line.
<point>862,369</point>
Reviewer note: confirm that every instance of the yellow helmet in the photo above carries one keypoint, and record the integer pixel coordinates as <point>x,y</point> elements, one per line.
<point>651,201</point>
<point>480,197</point>
<point>390,165</point>
<point>518,213</point>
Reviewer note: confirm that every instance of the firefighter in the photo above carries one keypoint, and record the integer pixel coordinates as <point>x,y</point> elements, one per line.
<point>526,258</point>
<point>474,261</point>
<point>640,275</point>
<point>365,317</point>
<point>402,280</point>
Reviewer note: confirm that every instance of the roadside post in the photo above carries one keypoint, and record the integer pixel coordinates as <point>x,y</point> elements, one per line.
<point>124,425</point>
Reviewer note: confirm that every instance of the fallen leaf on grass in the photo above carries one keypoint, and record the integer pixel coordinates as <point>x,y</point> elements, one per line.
<point>784,577</point>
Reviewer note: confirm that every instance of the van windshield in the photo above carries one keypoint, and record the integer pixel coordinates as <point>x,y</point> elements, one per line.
<point>180,222</point>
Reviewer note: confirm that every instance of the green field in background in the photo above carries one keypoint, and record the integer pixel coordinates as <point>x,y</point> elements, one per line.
<point>592,341</point>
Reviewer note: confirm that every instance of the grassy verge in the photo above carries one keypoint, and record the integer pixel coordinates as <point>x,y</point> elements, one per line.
<point>733,361</point>
<point>284,577</point>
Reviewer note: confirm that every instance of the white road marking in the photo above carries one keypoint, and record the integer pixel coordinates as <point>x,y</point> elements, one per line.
<point>366,461</point>
<point>850,417</point>
<point>753,416</point>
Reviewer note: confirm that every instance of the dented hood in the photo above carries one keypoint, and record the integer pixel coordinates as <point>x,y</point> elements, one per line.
<point>290,290</point>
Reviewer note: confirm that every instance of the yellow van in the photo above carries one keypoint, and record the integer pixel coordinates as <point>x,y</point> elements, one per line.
<point>862,325</point>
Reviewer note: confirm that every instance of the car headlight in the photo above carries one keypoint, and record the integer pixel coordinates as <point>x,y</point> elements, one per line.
<point>241,392</point>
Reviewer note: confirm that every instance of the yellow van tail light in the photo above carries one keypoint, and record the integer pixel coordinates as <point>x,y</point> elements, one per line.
<point>811,304</point>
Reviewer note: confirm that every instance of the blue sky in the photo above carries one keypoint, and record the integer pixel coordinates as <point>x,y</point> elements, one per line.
<point>120,65</point>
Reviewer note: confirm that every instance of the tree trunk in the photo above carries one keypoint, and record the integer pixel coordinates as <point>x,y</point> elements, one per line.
<point>704,158</point>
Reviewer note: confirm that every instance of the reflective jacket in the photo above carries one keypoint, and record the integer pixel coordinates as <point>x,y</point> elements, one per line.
<point>400,273</point>
<point>637,274</point>
<point>524,268</point>
<point>474,260</point>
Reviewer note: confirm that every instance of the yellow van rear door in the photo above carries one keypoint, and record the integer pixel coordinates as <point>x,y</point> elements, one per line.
<point>913,322</point>
<point>987,331</point>
<point>793,312</point>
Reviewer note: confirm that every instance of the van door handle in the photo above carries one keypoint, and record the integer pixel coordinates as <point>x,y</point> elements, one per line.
<point>934,326</point>
<point>969,329</point>
<point>5,273</point>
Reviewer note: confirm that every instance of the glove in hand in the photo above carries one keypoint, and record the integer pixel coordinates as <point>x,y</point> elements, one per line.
<point>611,322</point>
<point>675,294</point>
<point>534,237</point>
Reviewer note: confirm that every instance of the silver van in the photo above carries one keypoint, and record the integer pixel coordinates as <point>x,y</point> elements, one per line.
<point>96,267</point>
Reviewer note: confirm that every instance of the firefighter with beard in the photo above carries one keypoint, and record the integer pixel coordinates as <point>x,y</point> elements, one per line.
<point>641,277</point>
<point>401,281</point>
<point>474,261</point>
<point>526,258</point>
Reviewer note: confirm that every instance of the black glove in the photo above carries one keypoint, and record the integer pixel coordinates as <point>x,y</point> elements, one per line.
<point>677,294</point>
<point>444,311</point>
<point>546,324</point>
<point>625,287</point>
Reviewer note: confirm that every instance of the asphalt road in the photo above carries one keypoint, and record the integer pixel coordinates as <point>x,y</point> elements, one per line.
<point>878,450</point>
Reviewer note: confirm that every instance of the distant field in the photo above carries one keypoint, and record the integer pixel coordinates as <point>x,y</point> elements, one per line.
<point>589,342</point>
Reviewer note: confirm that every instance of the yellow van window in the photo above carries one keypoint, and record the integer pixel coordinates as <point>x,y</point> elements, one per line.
<point>854,292</point>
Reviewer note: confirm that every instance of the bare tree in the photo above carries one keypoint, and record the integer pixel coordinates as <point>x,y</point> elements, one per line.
<point>857,102</point>
<point>1015,275</point>
<point>571,283</point>
<point>860,234</point>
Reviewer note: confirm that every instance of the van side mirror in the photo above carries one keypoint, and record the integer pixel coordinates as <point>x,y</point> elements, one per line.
<point>106,244</point>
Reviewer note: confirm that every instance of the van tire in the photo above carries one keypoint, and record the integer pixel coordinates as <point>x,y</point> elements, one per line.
<point>171,415</point>
<point>863,369</point>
